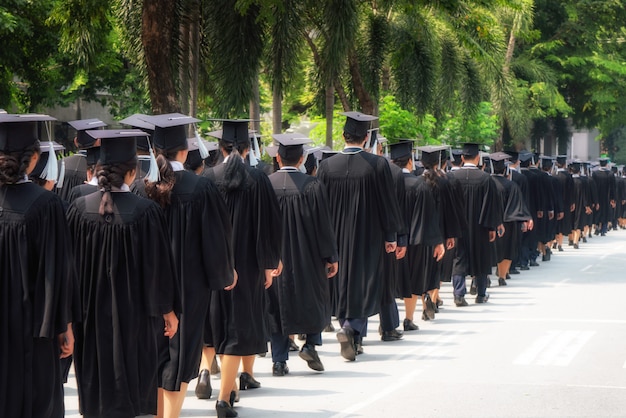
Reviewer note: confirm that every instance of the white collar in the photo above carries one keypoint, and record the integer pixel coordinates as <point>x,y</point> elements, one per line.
<point>406,170</point>
<point>93,181</point>
<point>470,165</point>
<point>177,166</point>
<point>289,168</point>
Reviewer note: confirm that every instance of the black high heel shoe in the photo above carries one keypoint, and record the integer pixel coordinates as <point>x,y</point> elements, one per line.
<point>233,398</point>
<point>224,410</point>
<point>248,382</point>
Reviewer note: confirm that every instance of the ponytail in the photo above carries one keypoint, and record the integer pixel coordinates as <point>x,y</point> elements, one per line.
<point>109,176</point>
<point>161,191</point>
<point>13,165</point>
<point>235,172</point>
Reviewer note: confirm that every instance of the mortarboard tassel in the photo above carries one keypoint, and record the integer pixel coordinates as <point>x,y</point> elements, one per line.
<point>204,153</point>
<point>51,170</point>
<point>61,179</point>
<point>154,174</point>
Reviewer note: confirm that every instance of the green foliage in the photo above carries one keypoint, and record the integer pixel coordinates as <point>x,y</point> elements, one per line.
<point>482,128</point>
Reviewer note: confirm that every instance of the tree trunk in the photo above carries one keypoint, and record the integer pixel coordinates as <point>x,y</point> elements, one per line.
<point>194,57</point>
<point>277,109</point>
<point>255,106</point>
<point>185,62</point>
<point>157,28</point>
<point>330,106</point>
<point>365,99</point>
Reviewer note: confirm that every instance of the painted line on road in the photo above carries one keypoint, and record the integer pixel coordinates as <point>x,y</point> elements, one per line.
<point>401,383</point>
<point>587,268</point>
<point>563,320</point>
<point>597,387</point>
<point>557,348</point>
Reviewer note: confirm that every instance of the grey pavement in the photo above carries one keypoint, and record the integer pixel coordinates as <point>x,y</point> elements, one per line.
<point>550,344</point>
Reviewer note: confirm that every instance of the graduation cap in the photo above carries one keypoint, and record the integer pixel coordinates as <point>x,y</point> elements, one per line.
<point>234,131</point>
<point>47,167</point>
<point>401,149</point>
<point>513,155</point>
<point>136,121</point>
<point>313,155</point>
<point>357,123</point>
<point>525,158</point>
<point>547,161</point>
<point>326,154</point>
<point>471,149</point>
<point>455,155</point>
<point>82,126</point>
<point>603,161</point>
<point>561,159</point>
<point>431,154</point>
<point>498,160</point>
<point>18,132</point>
<point>117,145</point>
<point>169,129</point>
<point>272,150</point>
<point>373,142</point>
<point>290,145</point>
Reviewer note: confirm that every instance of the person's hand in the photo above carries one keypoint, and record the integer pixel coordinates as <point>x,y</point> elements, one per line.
<point>269,277</point>
<point>450,243</point>
<point>560,216</point>
<point>492,236</point>
<point>438,252</point>
<point>278,270</point>
<point>234,283</point>
<point>390,247</point>
<point>500,230</point>
<point>400,252</point>
<point>539,214</point>
<point>531,225</point>
<point>613,204</point>
<point>573,207</point>
<point>171,324</point>
<point>551,215</point>
<point>66,342</point>
<point>332,269</point>
<point>588,210</point>
<point>597,206</point>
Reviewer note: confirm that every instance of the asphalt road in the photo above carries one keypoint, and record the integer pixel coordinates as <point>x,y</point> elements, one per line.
<point>550,344</point>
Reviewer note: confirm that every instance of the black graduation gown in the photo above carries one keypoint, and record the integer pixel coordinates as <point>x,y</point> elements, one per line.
<point>580,200</point>
<point>422,216</point>
<point>201,239</point>
<point>299,299</point>
<point>567,197</point>
<point>454,213</point>
<point>592,198</point>
<point>544,225</point>
<point>483,214</point>
<point>238,317</point>
<point>127,282</point>
<point>75,174</point>
<point>514,211</point>
<point>605,185</point>
<point>365,215</point>
<point>80,191</point>
<point>34,243</point>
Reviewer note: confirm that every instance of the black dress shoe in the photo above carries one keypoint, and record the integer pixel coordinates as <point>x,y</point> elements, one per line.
<point>560,249</point>
<point>576,246</point>
<point>524,268</point>
<point>501,281</point>
<point>508,277</point>
<point>424,316</point>
<point>430,307</point>
<point>439,302</point>
<point>473,289</point>
<point>545,257</point>
<point>533,263</point>
<point>329,327</point>
<point>460,301</point>
<point>513,271</point>
<point>482,299</point>
<point>345,336</point>
<point>302,337</point>
<point>203,387</point>
<point>554,246</point>
<point>585,239</point>
<point>224,410</point>
<point>408,325</point>
<point>358,347</point>
<point>248,382</point>
<point>293,346</point>
<point>570,243</point>
<point>393,335</point>
<point>309,354</point>
<point>215,368</point>
<point>280,368</point>
<point>234,397</point>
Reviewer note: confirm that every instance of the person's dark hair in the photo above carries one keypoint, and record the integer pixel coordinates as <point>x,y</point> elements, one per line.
<point>109,176</point>
<point>13,165</point>
<point>353,140</point>
<point>402,161</point>
<point>92,169</point>
<point>291,163</point>
<point>499,169</point>
<point>430,173</point>
<point>194,165</point>
<point>235,172</point>
<point>161,191</point>
<point>38,180</point>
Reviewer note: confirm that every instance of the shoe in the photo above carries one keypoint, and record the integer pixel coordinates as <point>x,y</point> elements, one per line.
<point>585,239</point>
<point>473,289</point>
<point>293,346</point>
<point>570,243</point>
<point>545,257</point>
<point>524,268</point>
<point>393,335</point>
<point>203,387</point>
<point>560,249</point>
<point>309,354</point>
<point>439,302</point>
<point>262,354</point>
<point>501,281</point>
<point>248,382</point>
<point>482,299</point>
<point>554,246</point>
<point>215,368</point>
<point>603,234</point>
<point>224,410</point>
<point>576,246</point>
<point>488,282</point>
<point>329,327</point>
<point>430,307</point>
<point>408,325</point>
<point>508,277</point>
<point>302,337</point>
<point>595,233</point>
<point>533,263</point>
<point>424,316</point>
<point>358,347</point>
<point>460,301</point>
<point>280,368</point>
<point>345,336</point>
<point>514,271</point>
<point>234,397</point>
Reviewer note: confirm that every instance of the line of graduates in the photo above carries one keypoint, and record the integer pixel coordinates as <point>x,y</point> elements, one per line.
<point>156,252</point>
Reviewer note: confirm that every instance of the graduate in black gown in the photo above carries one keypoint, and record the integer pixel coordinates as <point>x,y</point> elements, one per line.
<point>605,184</point>
<point>582,206</point>
<point>483,216</point>
<point>299,299</point>
<point>554,193</point>
<point>34,241</point>
<point>362,229</point>
<point>76,166</point>
<point>127,285</point>
<point>515,216</point>
<point>564,226</point>
<point>238,318</point>
<point>200,235</point>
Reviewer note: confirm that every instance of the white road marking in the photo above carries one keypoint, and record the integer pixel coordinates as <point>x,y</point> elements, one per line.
<point>597,387</point>
<point>587,268</point>
<point>557,348</point>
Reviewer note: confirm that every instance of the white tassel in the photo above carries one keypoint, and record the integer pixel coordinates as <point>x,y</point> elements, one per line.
<point>61,179</point>
<point>257,150</point>
<point>253,160</point>
<point>51,170</point>
<point>204,153</point>
<point>375,147</point>
<point>154,174</point>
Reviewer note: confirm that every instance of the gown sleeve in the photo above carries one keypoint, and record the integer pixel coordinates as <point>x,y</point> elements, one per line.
<point>269,223</point>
